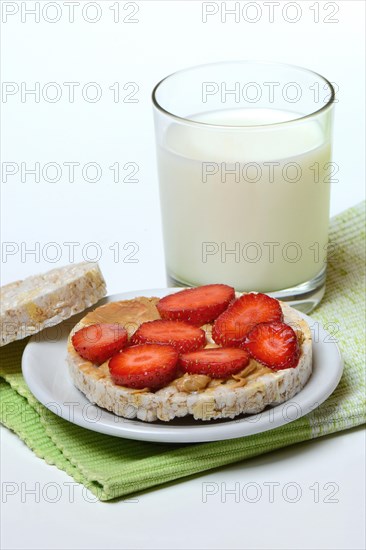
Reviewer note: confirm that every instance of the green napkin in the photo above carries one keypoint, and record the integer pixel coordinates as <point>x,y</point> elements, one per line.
<point>112,467</point>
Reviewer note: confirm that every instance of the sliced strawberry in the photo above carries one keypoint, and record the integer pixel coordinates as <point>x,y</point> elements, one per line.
<point>242,315</point>
<point>99,342</point>
<point>196,305</point>
<point>144,366</point>
<point>182,336</point>
<point>274,345</point>
<point>215,362</point>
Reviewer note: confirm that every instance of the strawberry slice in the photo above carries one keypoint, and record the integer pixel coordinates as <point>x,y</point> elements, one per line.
<point>198,305</point>
<point>215,362</point>
<point>99,342</point>
<point>274,345</point>
<point>242,315</point>
<point>182,336</point>
<point>144,366</point>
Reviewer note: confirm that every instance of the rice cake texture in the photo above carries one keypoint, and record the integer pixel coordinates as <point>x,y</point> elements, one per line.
<point>248,392</point>
<point>40,301</point>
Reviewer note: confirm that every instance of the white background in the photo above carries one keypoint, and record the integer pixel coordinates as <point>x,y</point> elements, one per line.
<point>169,35</point>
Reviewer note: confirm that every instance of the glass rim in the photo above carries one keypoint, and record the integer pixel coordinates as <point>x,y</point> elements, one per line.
<point>188,120</point>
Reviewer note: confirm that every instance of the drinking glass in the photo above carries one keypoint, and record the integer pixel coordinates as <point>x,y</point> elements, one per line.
<point>244,162</point>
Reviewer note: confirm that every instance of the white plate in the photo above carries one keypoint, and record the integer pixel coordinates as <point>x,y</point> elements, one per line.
<point>46,373</point>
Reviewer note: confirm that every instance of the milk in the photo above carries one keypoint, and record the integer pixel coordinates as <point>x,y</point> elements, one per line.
<point>245,206</point>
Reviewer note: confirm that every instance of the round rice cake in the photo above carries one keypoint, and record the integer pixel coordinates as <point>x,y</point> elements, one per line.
<point>204,398</point>
<point>40,301</point>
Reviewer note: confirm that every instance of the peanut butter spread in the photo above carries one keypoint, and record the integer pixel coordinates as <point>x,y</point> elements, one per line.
<point>132,313</point>
<point>129,313</point>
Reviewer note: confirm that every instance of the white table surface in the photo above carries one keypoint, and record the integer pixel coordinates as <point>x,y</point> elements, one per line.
<point>169,35</point>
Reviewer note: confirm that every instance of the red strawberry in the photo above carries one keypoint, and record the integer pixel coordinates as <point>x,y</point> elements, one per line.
<point>182,336</point>
<point>274,345</point>
<point>99,342</point>
<point>242,315</point>
<point>145,366</point>
<point>215,362</point>
<point>198,305</point>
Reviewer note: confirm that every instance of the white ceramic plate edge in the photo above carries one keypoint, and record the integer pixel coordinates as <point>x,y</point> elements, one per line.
<point>74,406</point>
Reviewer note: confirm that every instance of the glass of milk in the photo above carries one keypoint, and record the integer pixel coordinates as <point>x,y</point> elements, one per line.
<point>244,161</point>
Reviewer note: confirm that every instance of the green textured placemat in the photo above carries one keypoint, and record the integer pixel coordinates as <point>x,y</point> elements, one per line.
<point>112,467</point>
